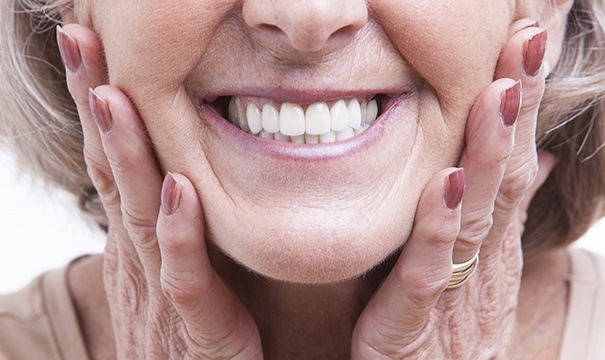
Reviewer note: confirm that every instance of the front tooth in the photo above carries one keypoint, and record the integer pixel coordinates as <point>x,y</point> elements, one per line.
<point>339,115</point>
<point>270,118</point>
<point>254,118</point>
<point>372,112</point>
<point>328,137</point>
<point>281,137</point>
<point>345,134</point>
<point>318,119</point>
<point>354,110</point>
<point>291,120</point>
<point>311,139</point>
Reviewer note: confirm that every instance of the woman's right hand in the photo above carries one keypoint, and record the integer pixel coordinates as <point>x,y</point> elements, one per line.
<point>166,300</point>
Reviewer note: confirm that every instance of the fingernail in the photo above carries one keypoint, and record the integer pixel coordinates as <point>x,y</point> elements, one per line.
<point>171,195</point>
<point>100,111</point>
<point>69,50</point>
<point>534,51</point>
<point>454,189</point>
<point>510,104</point>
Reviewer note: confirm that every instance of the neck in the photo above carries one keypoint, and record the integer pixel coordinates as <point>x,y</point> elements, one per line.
<point>302,320</point>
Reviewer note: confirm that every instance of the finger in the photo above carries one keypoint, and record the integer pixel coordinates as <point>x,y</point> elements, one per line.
<point>136,173</point>
<point>489,138</point>
<point>399,310</point>
<point>81,52</point>
<point>215,318</point>
<point>522,57</point>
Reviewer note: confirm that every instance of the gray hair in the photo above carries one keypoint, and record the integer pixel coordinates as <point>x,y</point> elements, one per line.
<point>39,121</point>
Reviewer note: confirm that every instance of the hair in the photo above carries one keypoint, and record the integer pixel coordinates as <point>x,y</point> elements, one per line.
<point>38,118</point>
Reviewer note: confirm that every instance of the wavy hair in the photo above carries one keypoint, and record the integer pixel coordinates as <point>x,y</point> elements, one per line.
<point>38,118</point>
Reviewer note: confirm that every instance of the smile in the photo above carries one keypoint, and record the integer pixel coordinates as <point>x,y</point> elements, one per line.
<point>304,126</point>
<point>320,122</point>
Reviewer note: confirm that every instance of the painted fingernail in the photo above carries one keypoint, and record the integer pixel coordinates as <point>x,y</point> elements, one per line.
<point>69,50</point>
<point>510,104</point>
<point>171,195</point>
<point>454,189</point>
<point>534,51</point>
<point>100,111</point>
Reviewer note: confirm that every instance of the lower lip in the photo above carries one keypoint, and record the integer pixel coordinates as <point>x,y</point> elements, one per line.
<point>301,152</point>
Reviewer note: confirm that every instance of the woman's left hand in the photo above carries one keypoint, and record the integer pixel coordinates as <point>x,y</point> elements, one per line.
<point>413,315</point>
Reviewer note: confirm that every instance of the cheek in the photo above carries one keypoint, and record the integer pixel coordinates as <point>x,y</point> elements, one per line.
<point>153,45</point>
<point>454,45</point>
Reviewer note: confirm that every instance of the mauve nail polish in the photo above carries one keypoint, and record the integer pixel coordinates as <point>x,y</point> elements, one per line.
<point>511,104</point>
<point>454,189</point>
<point>534,52</point>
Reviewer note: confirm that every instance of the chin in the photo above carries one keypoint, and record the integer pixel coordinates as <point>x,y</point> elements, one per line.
<point>314,246</point>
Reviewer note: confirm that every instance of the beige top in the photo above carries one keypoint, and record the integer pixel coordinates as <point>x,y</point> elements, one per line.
<point>40,321</point>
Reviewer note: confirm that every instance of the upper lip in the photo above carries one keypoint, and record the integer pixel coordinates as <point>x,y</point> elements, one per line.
<point>304,96</point>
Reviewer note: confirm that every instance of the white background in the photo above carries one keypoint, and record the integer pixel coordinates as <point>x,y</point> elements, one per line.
<point>40,231</point>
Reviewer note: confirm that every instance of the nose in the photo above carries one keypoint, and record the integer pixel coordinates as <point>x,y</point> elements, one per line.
<point>306,25</point>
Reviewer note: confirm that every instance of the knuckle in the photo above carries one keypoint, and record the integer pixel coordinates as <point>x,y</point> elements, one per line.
<point>516,184</point>
<point>422,292</point>
<point>423,285</point>
<point>140,226</point>
<point>444,235</point>
<point>175,244</point>
<point>181,291</point>
<point>475,228</point>
<point>106,188</point>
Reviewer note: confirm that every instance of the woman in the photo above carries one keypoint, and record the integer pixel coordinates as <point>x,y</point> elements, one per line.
<point>260,164</point>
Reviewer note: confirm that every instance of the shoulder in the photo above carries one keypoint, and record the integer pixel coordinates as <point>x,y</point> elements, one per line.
<point>586,267</point>
<point>24,330</point>
<point>39,321</point>
<point>585,323</point>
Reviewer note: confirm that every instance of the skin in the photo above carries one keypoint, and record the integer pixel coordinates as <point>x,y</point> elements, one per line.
<point>157,60</point>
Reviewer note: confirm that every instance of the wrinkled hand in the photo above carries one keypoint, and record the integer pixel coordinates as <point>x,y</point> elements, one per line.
<point>166,301</point>
<point>412,315</point>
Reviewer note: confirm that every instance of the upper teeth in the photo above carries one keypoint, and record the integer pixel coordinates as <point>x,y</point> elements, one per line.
<point>317,124</point>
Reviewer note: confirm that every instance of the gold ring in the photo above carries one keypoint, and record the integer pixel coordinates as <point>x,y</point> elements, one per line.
<point>462,272</point>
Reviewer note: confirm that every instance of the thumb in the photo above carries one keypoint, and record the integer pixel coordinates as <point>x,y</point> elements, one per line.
<point>215,319</point>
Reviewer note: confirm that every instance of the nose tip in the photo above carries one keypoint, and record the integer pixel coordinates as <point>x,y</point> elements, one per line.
<point>308,25</point>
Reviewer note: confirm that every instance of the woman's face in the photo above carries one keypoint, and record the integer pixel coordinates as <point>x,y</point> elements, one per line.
<point>305,212</point>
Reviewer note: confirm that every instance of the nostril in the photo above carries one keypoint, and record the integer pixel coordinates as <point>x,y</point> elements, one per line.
<point>343,34</point>
<point>271,28</point>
